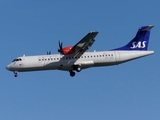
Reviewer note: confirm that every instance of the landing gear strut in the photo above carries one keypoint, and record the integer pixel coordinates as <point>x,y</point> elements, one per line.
<point>72,73</point>
<point>15,73</point>
<point>77,68</point>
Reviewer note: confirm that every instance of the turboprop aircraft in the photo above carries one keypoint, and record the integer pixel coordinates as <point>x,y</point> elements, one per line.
<point>75,58</point>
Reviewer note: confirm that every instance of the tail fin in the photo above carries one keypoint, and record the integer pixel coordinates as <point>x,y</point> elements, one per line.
<point>140,41</point>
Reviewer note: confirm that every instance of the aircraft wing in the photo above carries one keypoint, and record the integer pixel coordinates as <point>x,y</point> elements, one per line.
<point>85,43</point>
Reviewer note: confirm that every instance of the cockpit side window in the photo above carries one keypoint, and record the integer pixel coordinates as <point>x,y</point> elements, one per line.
<point>20,59</point>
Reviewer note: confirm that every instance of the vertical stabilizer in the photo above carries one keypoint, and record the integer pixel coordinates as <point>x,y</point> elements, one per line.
<point>140,41</point>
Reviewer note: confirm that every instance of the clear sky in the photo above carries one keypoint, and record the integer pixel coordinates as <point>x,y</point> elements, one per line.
<point>130,91</point>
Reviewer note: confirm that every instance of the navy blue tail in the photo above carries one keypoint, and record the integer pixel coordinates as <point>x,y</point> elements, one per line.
<point>140,41</point>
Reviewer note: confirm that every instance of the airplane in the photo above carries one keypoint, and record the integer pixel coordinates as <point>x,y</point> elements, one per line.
<point>75,58</point>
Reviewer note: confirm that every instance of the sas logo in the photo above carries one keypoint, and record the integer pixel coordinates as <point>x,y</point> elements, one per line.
<point>139,44</point>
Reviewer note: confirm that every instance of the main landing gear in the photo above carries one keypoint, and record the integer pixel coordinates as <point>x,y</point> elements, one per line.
<point>76,68</point>
<point>72,73</point>
<point>15,74</point>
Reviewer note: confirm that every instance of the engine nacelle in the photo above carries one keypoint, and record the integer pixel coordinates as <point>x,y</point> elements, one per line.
<point>68,50</point>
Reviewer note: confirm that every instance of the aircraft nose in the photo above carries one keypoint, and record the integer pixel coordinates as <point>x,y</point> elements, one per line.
<point>8,67</point>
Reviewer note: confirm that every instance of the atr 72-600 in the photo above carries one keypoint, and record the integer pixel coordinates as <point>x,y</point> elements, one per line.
<point>75,58</point>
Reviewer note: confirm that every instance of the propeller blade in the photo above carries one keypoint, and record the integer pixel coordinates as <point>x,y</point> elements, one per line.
<point>60,46</point>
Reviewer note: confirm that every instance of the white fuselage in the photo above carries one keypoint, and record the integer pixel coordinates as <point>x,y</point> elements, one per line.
<point>65,62</point>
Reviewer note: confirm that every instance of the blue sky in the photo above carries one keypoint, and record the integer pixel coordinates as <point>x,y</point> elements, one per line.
<point>125,92</point>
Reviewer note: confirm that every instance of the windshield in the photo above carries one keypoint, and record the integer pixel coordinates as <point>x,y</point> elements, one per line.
<point>17,59</point>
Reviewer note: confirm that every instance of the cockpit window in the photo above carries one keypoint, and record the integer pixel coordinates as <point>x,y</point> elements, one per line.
<point>17,59</point>
<point>13,60</point>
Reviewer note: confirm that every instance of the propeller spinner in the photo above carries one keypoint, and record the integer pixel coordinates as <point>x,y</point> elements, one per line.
<point>65,50</point>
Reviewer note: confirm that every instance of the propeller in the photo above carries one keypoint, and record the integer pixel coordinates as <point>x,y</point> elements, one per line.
<point>60,47</point>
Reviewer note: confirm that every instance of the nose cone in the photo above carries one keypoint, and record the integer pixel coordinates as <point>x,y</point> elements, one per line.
<point>8,67</point>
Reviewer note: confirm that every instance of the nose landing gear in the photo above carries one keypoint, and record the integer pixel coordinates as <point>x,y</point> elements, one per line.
<point>15,74</point>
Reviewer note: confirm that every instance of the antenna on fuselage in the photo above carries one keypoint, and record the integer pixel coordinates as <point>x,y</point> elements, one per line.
<point>48,52</point>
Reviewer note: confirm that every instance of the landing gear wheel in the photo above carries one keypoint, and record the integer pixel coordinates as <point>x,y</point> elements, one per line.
<point>78,69</point>
<point>72,74</point>
<point>15,74</point>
